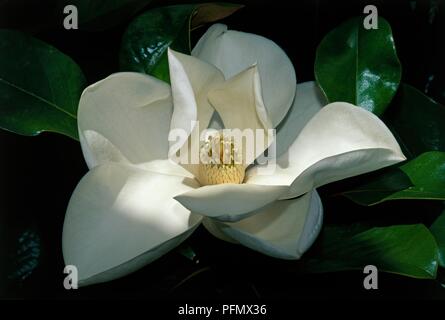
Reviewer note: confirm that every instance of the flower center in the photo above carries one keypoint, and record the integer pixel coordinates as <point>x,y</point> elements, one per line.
<point>220,161</point>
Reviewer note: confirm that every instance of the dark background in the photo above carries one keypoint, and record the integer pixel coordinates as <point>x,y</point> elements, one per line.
<point>37,175</point>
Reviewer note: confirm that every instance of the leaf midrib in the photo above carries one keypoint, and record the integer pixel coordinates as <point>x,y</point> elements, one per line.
<point>37,97</point>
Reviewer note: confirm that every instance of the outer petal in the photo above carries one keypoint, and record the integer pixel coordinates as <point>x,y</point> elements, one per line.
<point>340,141</point>
<point>240,105</point>
<point>308,101</point>
<point>125,118</point>
<point>121,218</point>
<point>233,51</point>
<point>167,167</point>
<point>284,229</point>
<point>213,226</point>
<point>230,202</point>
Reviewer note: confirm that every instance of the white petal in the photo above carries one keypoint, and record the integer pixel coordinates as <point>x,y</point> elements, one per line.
<point>212,226</point>
<point>125,118</point>
<point>121,218</point>
<point>202,77</point>
<point>216,122</point>
<point>239,103</point>
<point>308,101</point>
<point>230,202</point>
<point>285,229</point>
<point>191,80</point>
<point>185,112</point>
<point>233,51</point>
<point>105,151</point>
<point>167,167</point>
<point>340,141</point>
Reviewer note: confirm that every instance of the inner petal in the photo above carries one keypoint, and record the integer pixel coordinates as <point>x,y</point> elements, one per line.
<point>240,105</point>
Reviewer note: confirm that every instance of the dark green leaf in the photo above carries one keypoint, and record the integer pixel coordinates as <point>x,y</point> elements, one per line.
<point>359,66</point>
<point>145,42</point>
<point>26,256</point>
<point>379,187</point>
<point>20,256</point>
<point>408,250</point>
<point>427,173</point>
<point>427,176</point>
<point>417,122</point>
<point>438,231</point>
<point>39,86</point>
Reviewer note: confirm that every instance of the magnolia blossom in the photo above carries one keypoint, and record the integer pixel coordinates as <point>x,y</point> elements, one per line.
<point>135,204</point>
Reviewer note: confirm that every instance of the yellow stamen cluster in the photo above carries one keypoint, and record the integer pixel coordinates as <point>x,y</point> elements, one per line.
<point>220,161</point>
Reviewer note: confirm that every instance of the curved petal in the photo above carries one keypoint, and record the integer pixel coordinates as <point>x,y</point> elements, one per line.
<point>125,118</point>
<point>121,218</point>
<point>239,103</point>
<point>285,229</point>
<point>308,101</point>
<point>230,202</point>
<point>233,51</point>
<point>185,110</point>
<point>212,226</point>
<point>191,80</point>
<point>202,77</point>
<point>167,167</point>
<point>105,151</point>
<point>340,141</point>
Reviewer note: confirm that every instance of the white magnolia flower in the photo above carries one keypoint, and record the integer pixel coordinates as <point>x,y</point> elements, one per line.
<point>134,204</point>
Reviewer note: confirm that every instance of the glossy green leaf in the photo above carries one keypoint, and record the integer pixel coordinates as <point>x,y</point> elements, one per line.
<point>359,66</point>
<point>427,173</point>
<point>379,186</point>
<point>408,250</point>
<point>39,86</point>
<point>438,231</point>
<point>427,176</point>
<point>147,38</point>
<point>417,122</point>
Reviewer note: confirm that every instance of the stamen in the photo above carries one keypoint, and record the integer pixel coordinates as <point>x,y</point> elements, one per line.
<point>220,161</point>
